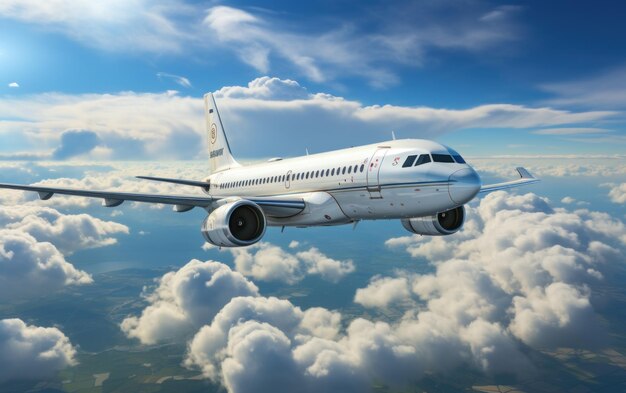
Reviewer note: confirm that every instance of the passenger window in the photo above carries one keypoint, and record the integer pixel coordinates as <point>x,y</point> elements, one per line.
<point>423,159</point>
<point>332,173</point>
<point>355,168</point>
<point>327,172</point>
<point>343,171</point>
<point>362,168</point>
<point>409,161</point>
<point>349,169</point>
<point>317,174</point>
<point>442,158</point>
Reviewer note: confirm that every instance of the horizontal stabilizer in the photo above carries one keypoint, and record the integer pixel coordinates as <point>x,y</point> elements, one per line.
<point>194,183</point>
<point>525,178</point>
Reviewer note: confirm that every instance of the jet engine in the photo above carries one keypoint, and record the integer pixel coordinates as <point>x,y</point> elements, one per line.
<point>444,223</point>
<point>235,224</point>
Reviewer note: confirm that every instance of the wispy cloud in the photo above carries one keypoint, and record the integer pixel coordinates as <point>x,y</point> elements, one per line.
<point>117,25</point>
<point>572,131</point>
<point>606,90</point>
<point>14,84</point>
<point>399,37</point>
<point>370,46</point>
<point>181,80</point>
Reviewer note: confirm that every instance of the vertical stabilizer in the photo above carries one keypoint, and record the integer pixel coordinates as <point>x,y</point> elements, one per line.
<point>220,156</point>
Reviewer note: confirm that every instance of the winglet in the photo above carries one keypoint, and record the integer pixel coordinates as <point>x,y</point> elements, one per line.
<point>525,178</point>
<point>523,173</point>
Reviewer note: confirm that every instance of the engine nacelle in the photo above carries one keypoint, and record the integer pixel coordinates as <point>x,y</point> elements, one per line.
<point>235,224</point>
<point>444,223</point>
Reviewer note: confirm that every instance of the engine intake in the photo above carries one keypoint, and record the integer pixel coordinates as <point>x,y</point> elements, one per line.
<point>235,224</point>
<point>444,223</point>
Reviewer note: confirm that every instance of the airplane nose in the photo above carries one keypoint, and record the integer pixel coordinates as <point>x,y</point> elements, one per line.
<point>464,185</point>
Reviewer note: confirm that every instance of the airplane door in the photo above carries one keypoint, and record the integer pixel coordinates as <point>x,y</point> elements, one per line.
<point>288,180</point>
<point>373,170</point>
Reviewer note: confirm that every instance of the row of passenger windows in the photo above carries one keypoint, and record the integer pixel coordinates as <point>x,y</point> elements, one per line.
<point>415,160</point>
<point>294,176</point>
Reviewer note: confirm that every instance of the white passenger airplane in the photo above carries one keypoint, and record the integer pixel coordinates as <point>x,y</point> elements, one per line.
<point>422,183</point>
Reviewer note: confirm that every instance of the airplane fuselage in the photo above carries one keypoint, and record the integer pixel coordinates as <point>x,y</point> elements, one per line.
<point>390,180</point>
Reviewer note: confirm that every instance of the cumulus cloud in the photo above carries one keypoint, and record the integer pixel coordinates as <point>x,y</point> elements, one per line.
<point>29,352</point>
<point>383,291</point>
<point>185,300</point>
<point>524,266</point>
<point>13,85</point>
<point>68,233</point>
<point>267,262</point>
<point>31,268</point>
<point>167,125</point>
<point>102,126</point>
<point>617,193</point>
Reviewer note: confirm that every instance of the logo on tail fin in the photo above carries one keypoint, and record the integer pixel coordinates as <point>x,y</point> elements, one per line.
<point>213,133</point>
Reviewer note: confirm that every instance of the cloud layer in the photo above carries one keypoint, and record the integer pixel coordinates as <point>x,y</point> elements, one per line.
<point>520,277</point>
<point>28,352</point>
<point>167,125</point>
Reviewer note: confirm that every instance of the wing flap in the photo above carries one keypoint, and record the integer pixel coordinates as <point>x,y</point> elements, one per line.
<point>525,178</point>
<point>185,182</point>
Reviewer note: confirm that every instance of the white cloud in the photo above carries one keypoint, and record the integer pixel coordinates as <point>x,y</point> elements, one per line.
<point>31,268</point>
<point>186,299</point>
<point>14,85</point>
<point>606,90</point>
<point>383,291</point>
<point>68,233</point>
<point>147,125</point>
<point>29,352</point>
<point>572,131</point>
<point>555,165</point>
<point>568,200</point>
<point>362,50</point>
<point>617,193</point>
<point>117,25</point>
<point>524,266</point>
<point>381,39</point>
<point>267,262</point>
<point>181,80</point>
<point>125,125</point>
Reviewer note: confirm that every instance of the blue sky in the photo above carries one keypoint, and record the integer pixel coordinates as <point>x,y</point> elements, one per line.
<point>95,93</point>
<point>559,55</point>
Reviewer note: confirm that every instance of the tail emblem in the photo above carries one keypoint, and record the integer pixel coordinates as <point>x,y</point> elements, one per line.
<point>213,133</point>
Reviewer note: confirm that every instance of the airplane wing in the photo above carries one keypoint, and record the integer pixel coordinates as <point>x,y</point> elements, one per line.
<point>525,178</point>
<point>272,206</point>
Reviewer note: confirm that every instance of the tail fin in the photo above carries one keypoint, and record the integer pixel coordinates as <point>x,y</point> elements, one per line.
<point>220,157</point>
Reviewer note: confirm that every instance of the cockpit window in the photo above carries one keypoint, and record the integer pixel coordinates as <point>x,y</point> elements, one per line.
<point>423,159</point>
<point>442,158</point>
<point>409,161</point>
<point>458,159</point>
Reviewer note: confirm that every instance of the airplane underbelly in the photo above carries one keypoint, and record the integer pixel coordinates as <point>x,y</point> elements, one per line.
<point>321,209</point>
<point>398,202</point>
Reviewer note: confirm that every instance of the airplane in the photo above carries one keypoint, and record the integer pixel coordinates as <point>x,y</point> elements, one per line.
<point>422,183</point>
